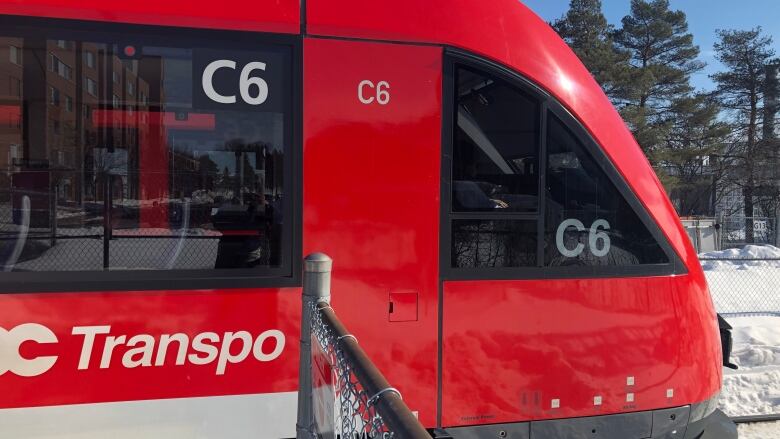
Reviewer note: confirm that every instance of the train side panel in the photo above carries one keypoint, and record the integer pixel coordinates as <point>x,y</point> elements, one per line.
<point>109,363</point>
<point>282,16</point>
<point>621,345</point>
<point>371,199</point>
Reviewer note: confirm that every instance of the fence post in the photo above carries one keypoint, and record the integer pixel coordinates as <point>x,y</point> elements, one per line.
<point>316,288</point>
<point>777,227</point>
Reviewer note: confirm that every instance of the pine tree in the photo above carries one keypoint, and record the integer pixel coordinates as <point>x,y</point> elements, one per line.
<point>741,88</point>
<point>587,32</point>
<point>695,135</point>
<point>662,59</point>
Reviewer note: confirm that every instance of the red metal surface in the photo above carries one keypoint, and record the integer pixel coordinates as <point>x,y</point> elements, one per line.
<point>403,306</point>
<point>153,313</point>
<point>281,16</point>
<point>511,347</point>
<point>371,196</point>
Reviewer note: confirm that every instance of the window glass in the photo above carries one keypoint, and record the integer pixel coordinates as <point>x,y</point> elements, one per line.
<point>150,172</point>
<point>15,55</point>
<point>495,174</point>
<point>493,243</point>
<point>587,221</point>
<point>496,147</point>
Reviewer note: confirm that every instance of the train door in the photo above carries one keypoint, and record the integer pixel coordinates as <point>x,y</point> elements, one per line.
<point>371,199</point>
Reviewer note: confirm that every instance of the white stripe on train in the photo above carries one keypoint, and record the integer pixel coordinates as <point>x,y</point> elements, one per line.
<point>260,416</point>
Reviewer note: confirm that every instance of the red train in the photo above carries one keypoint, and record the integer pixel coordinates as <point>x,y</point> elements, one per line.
<point>502,248</point>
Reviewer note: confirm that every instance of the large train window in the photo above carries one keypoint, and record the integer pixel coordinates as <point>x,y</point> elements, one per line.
<point>588,221</point>
<point>496,149</point>
<point>165,153</point>
<point>526,191</point>
<point>495,174</point>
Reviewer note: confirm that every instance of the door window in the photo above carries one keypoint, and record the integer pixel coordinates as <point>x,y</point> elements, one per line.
<point>495,174</point>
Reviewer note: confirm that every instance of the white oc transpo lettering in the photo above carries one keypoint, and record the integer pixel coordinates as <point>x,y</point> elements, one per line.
<point>207,347</point>
<point>142,350</point>
<point>10,358</point>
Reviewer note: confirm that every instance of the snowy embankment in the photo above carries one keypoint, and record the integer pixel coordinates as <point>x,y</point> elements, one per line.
<point>742,281</point>
<point>754,388</point>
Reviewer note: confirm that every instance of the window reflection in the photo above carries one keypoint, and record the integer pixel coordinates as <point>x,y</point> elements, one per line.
<point>493,243</point>
<point>588,221</point>
<point>496,148</point>
<point>114,166</point>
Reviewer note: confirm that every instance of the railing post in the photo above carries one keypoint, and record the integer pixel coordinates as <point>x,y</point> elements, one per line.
<point>316,288</point>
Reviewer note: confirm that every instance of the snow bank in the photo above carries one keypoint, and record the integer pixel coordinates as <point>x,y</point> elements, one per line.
<point>754,388</point>
<point>748,251</point>
<point>741,258</point>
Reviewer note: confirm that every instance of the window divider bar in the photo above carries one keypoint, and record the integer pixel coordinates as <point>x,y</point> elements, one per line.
<point>495,216</point>
<point>542,183</point>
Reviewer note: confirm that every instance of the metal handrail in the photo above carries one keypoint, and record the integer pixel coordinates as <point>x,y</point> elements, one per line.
<point>385,399</point>
<point>756,418</point>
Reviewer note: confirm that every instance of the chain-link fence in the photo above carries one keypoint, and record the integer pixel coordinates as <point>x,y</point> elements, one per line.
<point>742,286</point>
<point>734,231</point>
<point>745,288</point>
<point>341,393</point>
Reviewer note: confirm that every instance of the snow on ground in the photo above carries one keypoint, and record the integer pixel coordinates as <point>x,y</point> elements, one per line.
<point>760,430</point>
<point>747,280</point>
<point>745,258</point>
<point>746,252</point>
<point>755,387</point>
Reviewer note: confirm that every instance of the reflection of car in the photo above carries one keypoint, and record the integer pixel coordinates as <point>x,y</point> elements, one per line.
<point>246,231</point>
<point>235,217</point>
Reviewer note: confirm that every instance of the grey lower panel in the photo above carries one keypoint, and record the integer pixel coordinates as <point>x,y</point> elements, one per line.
<point>624,426</point>
<point>519,430</point>
<point>670,423</point>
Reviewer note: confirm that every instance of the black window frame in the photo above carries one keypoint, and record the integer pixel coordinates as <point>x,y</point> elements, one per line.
<point>289,273</point>
<point>457,58</point>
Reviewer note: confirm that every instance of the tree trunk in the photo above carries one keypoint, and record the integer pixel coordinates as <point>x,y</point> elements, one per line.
<point>750,183</point>
<point>747,192</point>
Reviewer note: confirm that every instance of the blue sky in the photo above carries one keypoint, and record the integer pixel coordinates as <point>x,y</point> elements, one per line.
<point>704,16</point>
